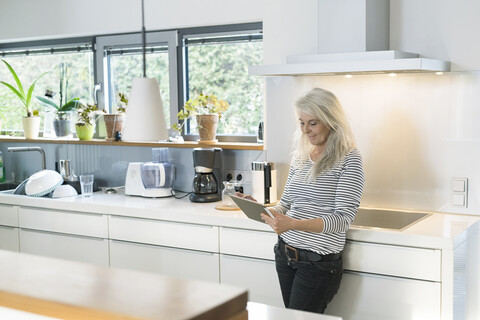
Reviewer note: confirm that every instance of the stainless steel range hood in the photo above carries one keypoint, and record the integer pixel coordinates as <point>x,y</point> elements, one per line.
<point>352,37</point>
<point>369,62</point>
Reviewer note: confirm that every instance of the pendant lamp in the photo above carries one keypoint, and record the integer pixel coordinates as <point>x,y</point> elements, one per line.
<point>144,117</point>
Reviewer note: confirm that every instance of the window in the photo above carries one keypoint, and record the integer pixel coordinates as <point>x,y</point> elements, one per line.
<point>120,59</point>
<point>186,62</point>
<point>217,63</point>
<point>30,60</point>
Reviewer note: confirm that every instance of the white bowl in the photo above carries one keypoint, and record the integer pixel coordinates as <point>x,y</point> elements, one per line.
<point>65,190</point>
<point>42,182</point>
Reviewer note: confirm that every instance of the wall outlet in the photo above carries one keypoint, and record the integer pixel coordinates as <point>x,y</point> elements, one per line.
<point>228,175</point>
<point>238,175</point>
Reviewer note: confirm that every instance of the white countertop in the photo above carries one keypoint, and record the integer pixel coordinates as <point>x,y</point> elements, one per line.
<point>438,231</point>
<point>256,311</point>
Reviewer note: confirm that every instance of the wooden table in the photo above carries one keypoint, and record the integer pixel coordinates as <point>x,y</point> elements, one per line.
<point>72,290</point>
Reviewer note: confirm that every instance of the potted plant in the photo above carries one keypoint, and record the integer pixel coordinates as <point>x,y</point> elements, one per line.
<point>207,110</point>
<point>114,121</point>
<point>85,126</point>
<point>61,121</point>
<point>31,123</point>
<point>62,110</point>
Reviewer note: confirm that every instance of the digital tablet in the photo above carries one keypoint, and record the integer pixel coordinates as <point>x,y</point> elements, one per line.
<point>251,208</point>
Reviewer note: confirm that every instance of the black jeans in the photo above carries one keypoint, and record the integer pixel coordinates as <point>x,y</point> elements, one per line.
<point>307,285</point>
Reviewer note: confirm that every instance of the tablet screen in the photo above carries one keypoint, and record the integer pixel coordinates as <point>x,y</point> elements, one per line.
<point>252,208</point>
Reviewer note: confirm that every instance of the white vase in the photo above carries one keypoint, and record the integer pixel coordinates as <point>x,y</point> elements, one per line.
<point>31,127</point>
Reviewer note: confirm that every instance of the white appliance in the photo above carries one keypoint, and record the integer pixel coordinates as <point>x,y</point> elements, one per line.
<point>149,179</point>
<point>264,182</point>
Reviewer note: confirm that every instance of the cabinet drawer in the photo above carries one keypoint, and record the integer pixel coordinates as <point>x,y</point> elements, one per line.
<point>9,238</point>
<point>415,263</point>
<point>8,216</point>
<point>366,296</point>
<point>189,264</point>
<point>257,275</point>
<point>76,248</point>
<point>164,233</point>
<point>247,243</point>
<point>86,224</point>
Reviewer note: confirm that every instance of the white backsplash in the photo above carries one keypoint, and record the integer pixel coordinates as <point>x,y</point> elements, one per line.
<point>415,132</point>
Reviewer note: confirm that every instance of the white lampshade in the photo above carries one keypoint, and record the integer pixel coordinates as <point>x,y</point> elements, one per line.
<point>145,120</point>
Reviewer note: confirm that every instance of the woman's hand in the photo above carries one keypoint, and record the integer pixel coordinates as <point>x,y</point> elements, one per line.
<point>280,223</point>
<point>241,195</point>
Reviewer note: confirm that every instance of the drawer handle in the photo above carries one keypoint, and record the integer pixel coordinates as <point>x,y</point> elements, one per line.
<point>8,227</point>
<point>63,234</point>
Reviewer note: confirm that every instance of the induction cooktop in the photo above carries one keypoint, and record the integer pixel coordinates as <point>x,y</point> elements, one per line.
<point>387,219</point>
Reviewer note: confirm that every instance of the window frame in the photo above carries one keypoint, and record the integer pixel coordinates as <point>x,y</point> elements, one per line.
<point>24,48</point>
<point>182,59</point>
<point>135,39</point>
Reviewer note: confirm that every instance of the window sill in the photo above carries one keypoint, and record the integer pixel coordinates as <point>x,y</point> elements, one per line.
<point>101,142</point>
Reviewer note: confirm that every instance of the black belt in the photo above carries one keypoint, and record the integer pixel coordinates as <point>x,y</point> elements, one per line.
<point>295,254</point>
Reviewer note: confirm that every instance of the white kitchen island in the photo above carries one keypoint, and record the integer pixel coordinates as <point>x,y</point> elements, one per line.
<point>427,271</point>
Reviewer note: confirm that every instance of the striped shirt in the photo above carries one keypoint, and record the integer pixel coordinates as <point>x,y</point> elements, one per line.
<point>334,196</point>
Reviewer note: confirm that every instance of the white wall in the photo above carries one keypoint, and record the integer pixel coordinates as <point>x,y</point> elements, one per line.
<point>33,19</point>
<point>415,131</point>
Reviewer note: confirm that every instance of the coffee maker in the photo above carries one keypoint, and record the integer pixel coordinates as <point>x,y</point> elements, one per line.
<point>207,182</point>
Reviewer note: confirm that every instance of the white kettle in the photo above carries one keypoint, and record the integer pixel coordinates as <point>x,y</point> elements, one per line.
<point>264,182</point>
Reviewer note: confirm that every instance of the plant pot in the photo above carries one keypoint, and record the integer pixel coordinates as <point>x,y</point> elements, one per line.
<point>61,124</point>
<point>113,123</point>
<point>31,127</point>
<point>207,127</point>
<point>61,127</point>
<point>85,131</point>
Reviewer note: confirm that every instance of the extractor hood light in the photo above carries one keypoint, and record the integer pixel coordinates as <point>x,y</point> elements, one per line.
<point>439,73</point>
<point>369,62</point>
<point>348,76</point>
<point>392,74</point>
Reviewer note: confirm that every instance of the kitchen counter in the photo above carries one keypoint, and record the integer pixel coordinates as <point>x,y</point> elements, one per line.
<point>438,230</point>
<point>72,290</point>
<point>46,288</point>
<point>413,271</point>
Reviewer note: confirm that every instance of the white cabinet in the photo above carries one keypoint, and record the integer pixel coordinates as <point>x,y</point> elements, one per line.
<point>64,234</point>
<point>9,228</point>
<point>247,260</point>
<point>364,296</point>
<point>171,248</point>
<point>407,262</point>
<point>257,275</point>
<point>165,233</point>
<point>248,243</point>
<point>388,282</point>
<point>62,221</point>
<point>9,238</point>
<point>174,262</point>
<point>63,246</point>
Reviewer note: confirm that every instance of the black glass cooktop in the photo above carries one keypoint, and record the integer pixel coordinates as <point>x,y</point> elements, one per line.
<point>386,219</point>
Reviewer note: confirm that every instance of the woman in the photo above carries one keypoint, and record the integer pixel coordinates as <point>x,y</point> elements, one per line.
<point>320,200</point>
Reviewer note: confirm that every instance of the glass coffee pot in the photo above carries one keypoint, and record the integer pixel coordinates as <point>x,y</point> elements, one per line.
<point>228,191</point>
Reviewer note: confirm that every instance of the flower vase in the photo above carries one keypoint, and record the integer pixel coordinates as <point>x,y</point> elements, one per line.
<point>31,127</point>
<point>85,131</point>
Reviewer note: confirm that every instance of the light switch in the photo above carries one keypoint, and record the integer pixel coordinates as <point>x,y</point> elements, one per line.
<point>458,200</point>
<point>459,184</point>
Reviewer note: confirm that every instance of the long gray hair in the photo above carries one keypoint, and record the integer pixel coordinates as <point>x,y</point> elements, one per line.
<point>324,106</point>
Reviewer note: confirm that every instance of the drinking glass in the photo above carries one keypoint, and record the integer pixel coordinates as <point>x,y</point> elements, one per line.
<point>86,184</point>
